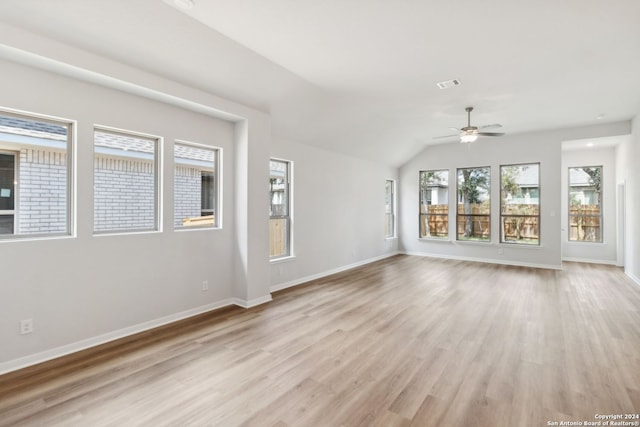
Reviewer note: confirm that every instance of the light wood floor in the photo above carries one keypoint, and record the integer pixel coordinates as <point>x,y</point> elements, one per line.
<point>406,341</point>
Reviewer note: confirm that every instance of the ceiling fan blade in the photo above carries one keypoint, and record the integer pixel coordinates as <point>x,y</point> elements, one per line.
<point>455,129</point>
<point>494,125</point>
<point>491,133</point>
<point>445,136</point>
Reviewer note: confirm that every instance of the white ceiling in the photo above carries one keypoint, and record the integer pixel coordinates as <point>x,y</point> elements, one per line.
<point>359,76</point>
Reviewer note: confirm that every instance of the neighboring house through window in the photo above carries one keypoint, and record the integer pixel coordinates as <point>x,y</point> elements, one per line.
<point>35,175</point>
<point>434,204</point>
<point>279,208</point>
<point>585,204</point>
<point>520,204</point>
<point>126,181</point>
<point>195,186</point>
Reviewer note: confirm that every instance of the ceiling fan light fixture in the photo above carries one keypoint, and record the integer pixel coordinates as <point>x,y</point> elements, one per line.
<point>468,138</point>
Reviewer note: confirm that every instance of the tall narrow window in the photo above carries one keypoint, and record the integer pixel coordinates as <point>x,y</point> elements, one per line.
<point>195,186</point>
<point>520,204</point>
<point>434,203</point>
<point>35,176</point>
<point>125,182</point>
<point>279,208</point>
<point>390,208</point>
<point>474,204</point>
<point>585,201</point>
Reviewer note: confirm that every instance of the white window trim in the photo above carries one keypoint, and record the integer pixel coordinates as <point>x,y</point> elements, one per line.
<point>158,184</point>
<point>291,255</point>
<point>72,190</point>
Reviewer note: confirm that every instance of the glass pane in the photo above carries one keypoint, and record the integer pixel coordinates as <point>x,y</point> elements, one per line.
<point>124,182</point>
<point>195,186</point>
<point>520,203</point>
<point>278,237</point>
<point>278,189</point>
<point>474,205</point>
<point>389,210</point>
<point>585,194</point>
<point>434,203</point>
<point>35,152</point>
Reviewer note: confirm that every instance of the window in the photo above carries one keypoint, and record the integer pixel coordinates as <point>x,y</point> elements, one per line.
<point>125,182</point>
<point>520,204</point>
<point>474,205</point>
<point>279,209</point>
<point>434,203</point>
<point>390,208</point>
<point>195,186</point>
<point>35,176</point>
<point>585,200</point>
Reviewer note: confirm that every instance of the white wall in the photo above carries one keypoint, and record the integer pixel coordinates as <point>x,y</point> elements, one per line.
<point>338,208</point>
<point>538,147</point>
<point>628,172</point>
<point>605,252</point>
<point>84,290</point>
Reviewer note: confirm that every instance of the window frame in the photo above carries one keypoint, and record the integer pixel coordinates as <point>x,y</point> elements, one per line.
<point>14,147</point>
<point>488,201</point>
<point>600,215</point>
<point>426,214</point>
<point>217,188</point>
<point>157,180</point>
<point>502,205</point>
<point>288,217</point>
<point>390,231</point>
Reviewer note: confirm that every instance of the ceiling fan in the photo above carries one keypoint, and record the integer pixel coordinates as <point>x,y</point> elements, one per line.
<point>470,133</point>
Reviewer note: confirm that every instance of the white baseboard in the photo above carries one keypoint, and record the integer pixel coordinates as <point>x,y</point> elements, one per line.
<point>251,303</point>
<point>632,277</point>
<point>33,359</point>
<point>486,260</point>
<point>305,279</point>
<point>591,261</point>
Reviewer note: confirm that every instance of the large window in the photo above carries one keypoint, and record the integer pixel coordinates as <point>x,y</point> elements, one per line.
<point>125,182</point>
<point>195,186</point>
<point>434,203</point>
<point>585,201</point>
<point>390,208</point>
<point>520,204</point>
<point>279,208</point>
<point>35,176</point>
<point>474,205</point>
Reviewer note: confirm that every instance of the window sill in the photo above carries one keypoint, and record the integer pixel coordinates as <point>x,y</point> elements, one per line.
<point>125,233</point>
<point>584,243</point>
<point>435,239</point>
<point>36,238</point>
<point>188,229</point>
<point>474,243</point>
<point>283,259</point>
<point>519,246</point>
<point>391,238</point>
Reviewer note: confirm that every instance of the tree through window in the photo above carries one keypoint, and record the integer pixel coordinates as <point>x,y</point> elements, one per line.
<point>474,204</point>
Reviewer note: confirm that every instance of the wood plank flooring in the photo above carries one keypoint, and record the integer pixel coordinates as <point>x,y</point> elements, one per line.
<point>407,341</point>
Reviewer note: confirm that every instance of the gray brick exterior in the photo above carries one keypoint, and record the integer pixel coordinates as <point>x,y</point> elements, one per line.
<point>42,193</point>
<point>188,185</point>
<point>124,194</point>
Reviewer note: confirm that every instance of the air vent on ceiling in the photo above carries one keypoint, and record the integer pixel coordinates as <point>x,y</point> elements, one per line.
<point>449,83</point>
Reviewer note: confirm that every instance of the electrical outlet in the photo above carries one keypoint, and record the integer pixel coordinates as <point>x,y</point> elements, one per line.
<point>26,326</point>
<point>205,285</point>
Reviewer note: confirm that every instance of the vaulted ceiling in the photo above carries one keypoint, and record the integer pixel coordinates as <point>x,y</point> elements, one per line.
<point>359,76</point>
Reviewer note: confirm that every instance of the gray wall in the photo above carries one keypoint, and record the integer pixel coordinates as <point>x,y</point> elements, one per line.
<point>338,213</point>
<point>538,147</point>
<point>606,251</point>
